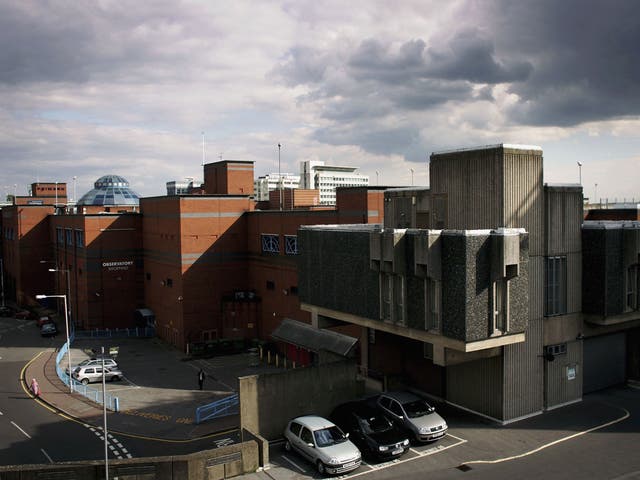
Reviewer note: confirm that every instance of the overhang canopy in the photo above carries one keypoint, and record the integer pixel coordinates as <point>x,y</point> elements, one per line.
<point>313,339</point>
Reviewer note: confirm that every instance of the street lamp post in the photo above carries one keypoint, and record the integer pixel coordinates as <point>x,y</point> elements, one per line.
<point>580,172</point>
<point>66,324</point>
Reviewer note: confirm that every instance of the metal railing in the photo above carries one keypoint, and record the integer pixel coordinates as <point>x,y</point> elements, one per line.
<point>219,408</point>
<point>93,394</point>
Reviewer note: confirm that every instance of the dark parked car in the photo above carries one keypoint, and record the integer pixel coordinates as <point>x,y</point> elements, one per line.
<point>48,329</point>
<point>22,314</point>
<point>372,432</point>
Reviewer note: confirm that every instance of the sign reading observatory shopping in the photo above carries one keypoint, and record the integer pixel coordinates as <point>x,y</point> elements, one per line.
<point>114,266</point>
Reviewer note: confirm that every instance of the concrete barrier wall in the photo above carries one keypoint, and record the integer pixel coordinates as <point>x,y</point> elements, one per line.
<point>217,464</point>
<point>269,401</point>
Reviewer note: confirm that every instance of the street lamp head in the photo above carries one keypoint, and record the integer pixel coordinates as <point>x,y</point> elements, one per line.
<point>40,297</point>
<point>53,270</point>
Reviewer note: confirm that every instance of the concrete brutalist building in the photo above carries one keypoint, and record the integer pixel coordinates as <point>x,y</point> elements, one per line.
<point>472,291</point>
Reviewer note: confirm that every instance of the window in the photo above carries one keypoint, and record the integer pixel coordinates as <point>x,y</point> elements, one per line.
<point>69,236</point>
<point>559,349</point>
<point>632,287</point>
<point>555,286</point>
<point>270,243</point>
<point>433,302</point>
<point>293,290</point>
<point>291,245</point>
<point>60,235</point>
<point>306,436</point>
<point>169,282</point>
<point>392,298</point>
<point>80,238</point>
<point>271,285</point>
<point>428,350</point>
<point>500,323</point>
<point>385,297</point>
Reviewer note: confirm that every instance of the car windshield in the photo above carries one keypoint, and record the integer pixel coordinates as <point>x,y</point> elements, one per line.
<point>417,408</point>
<point>328,436</point>
<point>375,424</point>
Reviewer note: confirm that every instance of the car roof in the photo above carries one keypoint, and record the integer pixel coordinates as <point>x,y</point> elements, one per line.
<point>402,397</point>
<point>361,408</point>
<point>313,422</point>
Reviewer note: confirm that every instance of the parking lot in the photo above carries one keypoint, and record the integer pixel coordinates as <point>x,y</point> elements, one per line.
<point>474,444</point>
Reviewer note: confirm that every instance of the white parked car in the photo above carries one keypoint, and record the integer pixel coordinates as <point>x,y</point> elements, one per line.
<point>323,444</point>
<point>94,374</point>
<point>413,414</point>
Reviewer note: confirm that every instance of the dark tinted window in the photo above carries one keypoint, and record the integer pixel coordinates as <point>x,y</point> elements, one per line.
<point>417,408</point>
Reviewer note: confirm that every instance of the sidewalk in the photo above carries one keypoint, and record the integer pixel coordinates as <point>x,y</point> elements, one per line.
<point>157,415</point>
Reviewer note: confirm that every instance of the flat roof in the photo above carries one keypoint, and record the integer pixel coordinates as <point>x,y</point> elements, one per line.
<point>513,146</point>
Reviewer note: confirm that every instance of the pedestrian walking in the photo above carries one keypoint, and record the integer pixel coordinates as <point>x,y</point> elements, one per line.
<point>35,388</point>
<point>201,377</point>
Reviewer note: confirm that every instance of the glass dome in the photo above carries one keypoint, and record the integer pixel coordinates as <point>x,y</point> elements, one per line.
<point>110,190</point>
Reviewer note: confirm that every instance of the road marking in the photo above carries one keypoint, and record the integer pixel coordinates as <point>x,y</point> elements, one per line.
<point>25,433</point>
<point>457,438</point>
<point>555,442</point>
<point>419,454</point>
<point>294,464</point>
<point>1,413</point>
<point>46,455</point>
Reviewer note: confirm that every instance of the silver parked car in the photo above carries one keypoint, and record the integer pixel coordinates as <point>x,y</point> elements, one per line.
<point>88,374</point>
<point>414,414</point>
<point>323,444</point>
<point>93,362</point>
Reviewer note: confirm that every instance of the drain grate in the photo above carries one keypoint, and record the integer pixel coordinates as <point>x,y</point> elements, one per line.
<point>463,468</point>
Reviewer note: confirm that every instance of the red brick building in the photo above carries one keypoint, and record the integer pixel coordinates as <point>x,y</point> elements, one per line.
<point>208,266</point>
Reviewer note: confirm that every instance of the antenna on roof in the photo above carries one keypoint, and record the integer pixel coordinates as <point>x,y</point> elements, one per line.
<point>203,149</point>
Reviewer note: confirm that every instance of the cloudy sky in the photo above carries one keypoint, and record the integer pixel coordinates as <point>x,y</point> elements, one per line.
<point>94,87</point>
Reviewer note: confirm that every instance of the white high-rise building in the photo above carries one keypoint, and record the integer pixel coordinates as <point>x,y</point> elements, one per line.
<point>177,187</point>
<point>273,181</point>
<point>316,175</point>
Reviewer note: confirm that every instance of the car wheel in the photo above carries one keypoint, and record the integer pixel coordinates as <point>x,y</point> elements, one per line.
<point>287,446</point>
<point>85,381</point>
<point>321,469</point>
<point>115,378</point>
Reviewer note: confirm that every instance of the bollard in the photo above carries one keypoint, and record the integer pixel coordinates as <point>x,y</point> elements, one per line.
<point>269,357</point>
<point>116,404</point>
<point>284,363</point>
<point>277,360</point>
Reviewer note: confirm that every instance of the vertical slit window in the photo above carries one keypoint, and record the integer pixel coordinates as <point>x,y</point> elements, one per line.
<point>556,286</point>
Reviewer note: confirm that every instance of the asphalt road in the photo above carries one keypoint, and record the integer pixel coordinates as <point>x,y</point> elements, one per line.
<point>29,432</point>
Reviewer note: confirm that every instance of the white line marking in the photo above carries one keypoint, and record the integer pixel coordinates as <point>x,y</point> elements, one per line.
<point>111,447</point>
<point>25,433</point>
<point>45,454</point>
<point>129,455</point>
<point>1,413</point>
<point>457,438</point>
<point>294,464</point>
<point>124,450</point>
<point>560,440</point>
<point>419,455</point>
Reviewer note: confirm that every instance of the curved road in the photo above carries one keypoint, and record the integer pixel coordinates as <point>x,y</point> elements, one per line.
<point>30,433</point>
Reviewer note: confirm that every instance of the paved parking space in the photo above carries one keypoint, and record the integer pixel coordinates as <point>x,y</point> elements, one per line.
<point>292,466</point>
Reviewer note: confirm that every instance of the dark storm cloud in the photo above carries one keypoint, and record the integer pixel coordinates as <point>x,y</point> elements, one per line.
<point>379,79</point>
<point>585,53</point>
<point>468,56</point>
<point>385,141</point>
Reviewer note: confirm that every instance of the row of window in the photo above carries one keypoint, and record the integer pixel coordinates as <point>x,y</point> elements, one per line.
<point>70,237</point>
<point>271,244</point>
